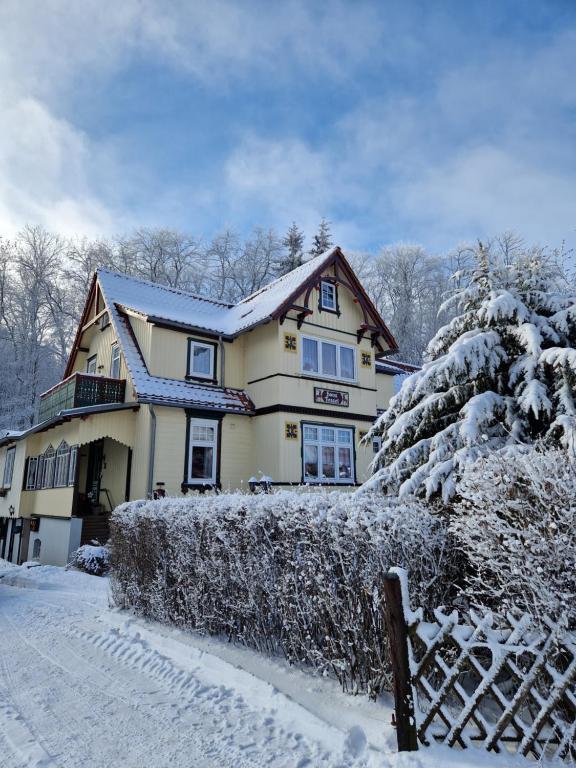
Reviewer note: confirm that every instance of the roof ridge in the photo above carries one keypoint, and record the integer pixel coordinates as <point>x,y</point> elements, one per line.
<point>268,286</point>
<point>169,288</point>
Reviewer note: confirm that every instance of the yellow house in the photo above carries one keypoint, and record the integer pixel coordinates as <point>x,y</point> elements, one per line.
<point>170,393</point>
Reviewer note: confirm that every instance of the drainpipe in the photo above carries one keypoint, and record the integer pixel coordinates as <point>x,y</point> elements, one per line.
<point>221,345</point>
<point>152,451</point>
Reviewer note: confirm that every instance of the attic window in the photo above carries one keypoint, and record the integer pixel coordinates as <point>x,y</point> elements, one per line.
<point>200,360</point>
<point>328,296</point>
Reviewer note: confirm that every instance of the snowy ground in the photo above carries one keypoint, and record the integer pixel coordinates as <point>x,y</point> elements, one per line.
<point>82,684</point>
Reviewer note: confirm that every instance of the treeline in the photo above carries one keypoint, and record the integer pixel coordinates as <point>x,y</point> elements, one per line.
<point>44,278</point>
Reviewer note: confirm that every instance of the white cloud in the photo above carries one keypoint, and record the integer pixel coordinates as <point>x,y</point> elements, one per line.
<point>50,171</point>
<point>489,148</point>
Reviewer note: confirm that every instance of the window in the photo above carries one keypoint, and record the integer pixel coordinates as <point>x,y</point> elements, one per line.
<point>36,549</point>
<point>31,473</point>
<point>48,461</point>
<point>9,468</point>
<point>327,454</point>
<point>52,469</point>
<point>328,358</point>
<point>328,296</point>
<point>115,362</point>
<point>72,465</point>
<point>202,452</point>
<point>91,364</point>
<point>376,443</point>
<point>61,467</point>
<point>200,359</point>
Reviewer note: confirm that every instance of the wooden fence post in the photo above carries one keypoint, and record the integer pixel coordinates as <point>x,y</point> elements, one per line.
<point>398,640</point>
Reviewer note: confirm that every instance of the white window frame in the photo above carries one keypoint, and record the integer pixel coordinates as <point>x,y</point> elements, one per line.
<point>31,473</point>
<point>91,363</point>
<point>215,425</point>
<point>115,359</point>
<point>319,373</point>
<point>9,468</point>
<point>48,467</point>
<point>72,465</point>
<point>321,442</point>
<point>332,287</point>
<point>193,374</point>
<point>61,465</point>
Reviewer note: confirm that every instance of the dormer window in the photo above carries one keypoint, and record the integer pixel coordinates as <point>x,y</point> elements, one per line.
<point>328,296</point>
<point>201,359</point>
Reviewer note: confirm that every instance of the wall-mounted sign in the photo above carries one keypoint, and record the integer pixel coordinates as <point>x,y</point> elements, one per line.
<point>366,360</point>
<point>291,430</point>
<point>331,397</point>
<point>290,342</point>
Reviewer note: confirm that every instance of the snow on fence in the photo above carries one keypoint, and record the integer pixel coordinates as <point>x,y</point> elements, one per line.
<point>501,683</point>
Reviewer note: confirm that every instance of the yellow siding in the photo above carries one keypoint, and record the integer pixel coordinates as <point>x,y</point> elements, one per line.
<point>13,494</point>
<point>141,452</point>
<point>54,502</point>
<point>99,343</point>
<point>118,425</point>
<point>237,452</point>
<point>114,466</point>
<point>170,447</point>
<point>385,384</point>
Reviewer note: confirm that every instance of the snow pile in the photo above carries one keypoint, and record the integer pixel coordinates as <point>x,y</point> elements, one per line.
<point>502,372</point>
<point>91,559</point>
<point>516,525</point>
<point>286,573</point>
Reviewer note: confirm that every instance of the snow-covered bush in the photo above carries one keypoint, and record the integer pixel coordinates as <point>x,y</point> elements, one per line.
<point>502,372</point>
<point>516,526</point>
<point>290,573</point>
<point>91,559</point>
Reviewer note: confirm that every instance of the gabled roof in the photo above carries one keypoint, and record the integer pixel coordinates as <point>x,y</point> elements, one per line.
<point>162,304</point>
<point>165,305</point>
<point>163,391</point>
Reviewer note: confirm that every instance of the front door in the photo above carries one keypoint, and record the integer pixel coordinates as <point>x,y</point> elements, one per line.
<point>94,475</point>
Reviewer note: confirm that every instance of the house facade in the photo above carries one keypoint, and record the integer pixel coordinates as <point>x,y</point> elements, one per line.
<point>169,393</point>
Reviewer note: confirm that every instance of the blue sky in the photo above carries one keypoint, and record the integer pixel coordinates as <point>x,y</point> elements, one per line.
<point>405,121</point>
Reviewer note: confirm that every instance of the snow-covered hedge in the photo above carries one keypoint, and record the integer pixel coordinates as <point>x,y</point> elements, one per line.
<point>516,525</point>
<point>290,573</point>
<point>91,559</point>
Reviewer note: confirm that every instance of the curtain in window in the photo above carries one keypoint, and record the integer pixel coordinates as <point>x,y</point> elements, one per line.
<point>310,355</point>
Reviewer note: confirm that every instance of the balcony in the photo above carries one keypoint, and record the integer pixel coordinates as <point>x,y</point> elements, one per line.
<point>78,391</point>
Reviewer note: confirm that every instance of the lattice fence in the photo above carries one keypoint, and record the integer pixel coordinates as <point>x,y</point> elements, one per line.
<point>505,684</point>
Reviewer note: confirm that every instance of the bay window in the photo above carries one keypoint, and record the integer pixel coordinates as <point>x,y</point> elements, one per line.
<point>327,454</point>
<point>202,448</point>
<point>328,358</point>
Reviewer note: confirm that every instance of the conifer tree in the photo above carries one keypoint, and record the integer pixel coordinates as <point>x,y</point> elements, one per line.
<point>322,239</point>
<point>502,372</point>
<point>293,256</point>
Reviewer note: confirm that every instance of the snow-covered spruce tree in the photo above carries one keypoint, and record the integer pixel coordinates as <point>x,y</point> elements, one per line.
<point>293,254</point>
<point>322,239</point>
<point>501,372</point>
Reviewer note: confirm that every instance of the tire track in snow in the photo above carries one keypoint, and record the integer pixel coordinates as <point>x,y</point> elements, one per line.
<point>17,732</point>
<point>258,737</point>
<point>76,700</point>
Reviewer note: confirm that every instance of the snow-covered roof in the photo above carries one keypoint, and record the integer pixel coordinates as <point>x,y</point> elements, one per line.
<point>161,301</point>
<point>164,391</point>
<point>7,435</point>
<point>395,367</point>
<point>176,306</point>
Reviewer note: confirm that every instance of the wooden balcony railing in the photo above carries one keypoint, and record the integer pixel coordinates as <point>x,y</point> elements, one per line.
<point>80,390</point>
